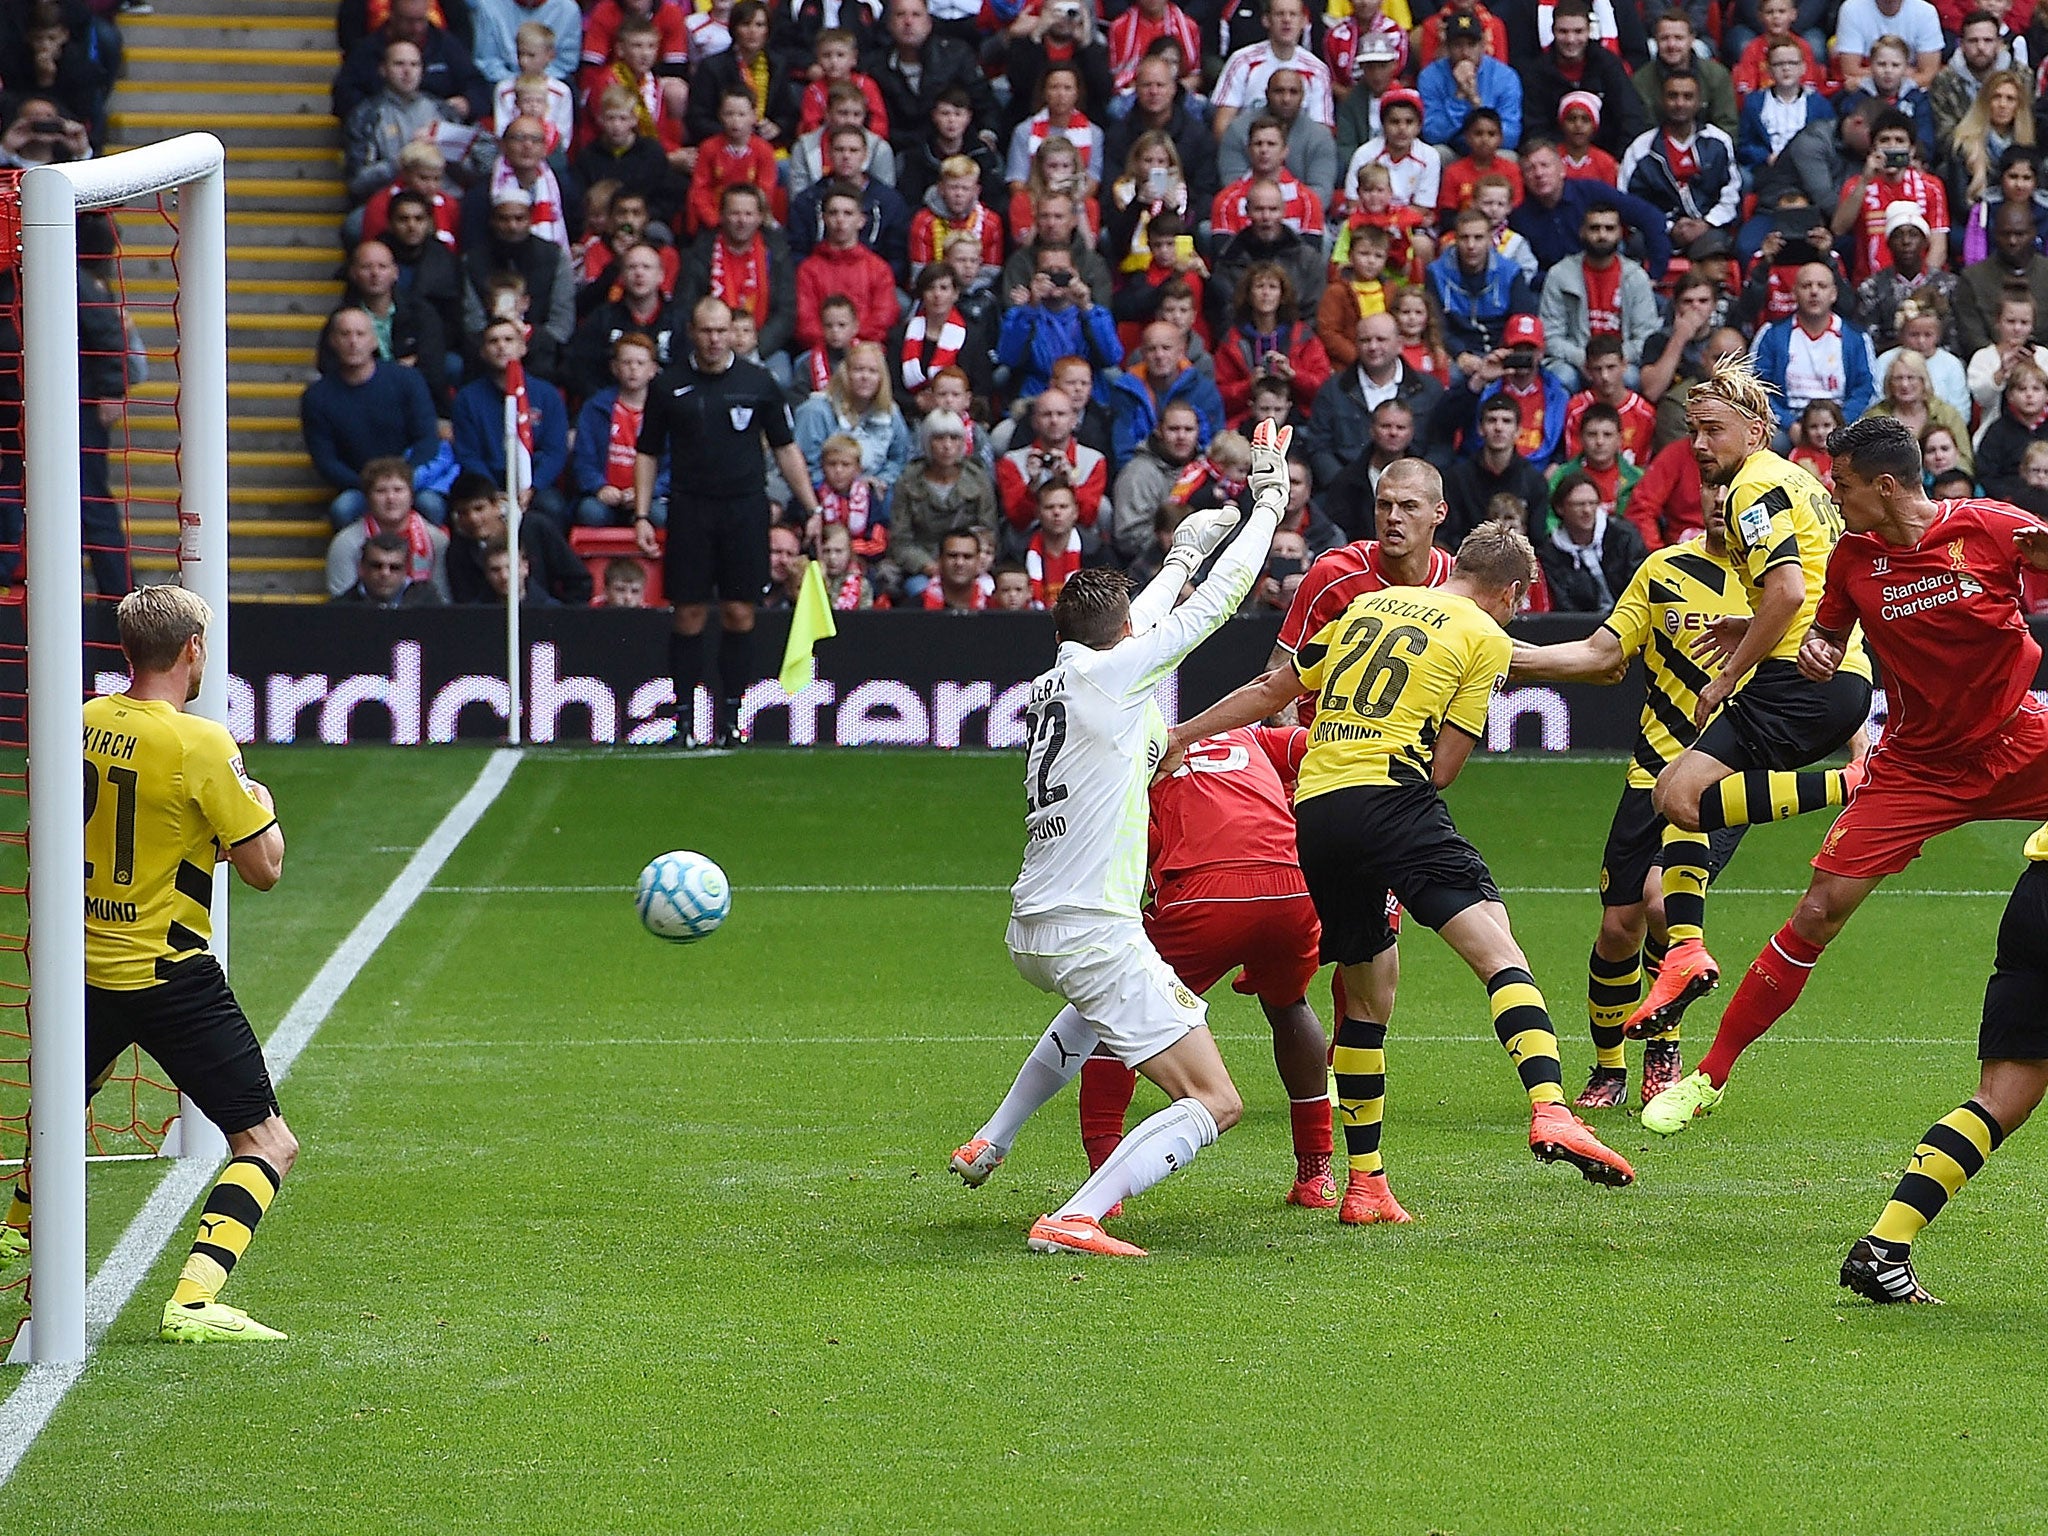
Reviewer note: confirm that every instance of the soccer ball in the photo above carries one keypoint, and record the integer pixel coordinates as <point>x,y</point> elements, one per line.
<point>683,897</point>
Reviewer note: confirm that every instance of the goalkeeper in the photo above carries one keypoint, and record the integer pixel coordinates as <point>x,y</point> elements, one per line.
<point>1096,735</point>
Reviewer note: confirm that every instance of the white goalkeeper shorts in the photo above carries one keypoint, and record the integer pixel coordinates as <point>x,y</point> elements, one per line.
<point>1114,978</point>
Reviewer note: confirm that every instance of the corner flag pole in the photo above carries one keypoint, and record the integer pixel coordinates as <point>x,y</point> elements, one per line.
<point>514,658</point>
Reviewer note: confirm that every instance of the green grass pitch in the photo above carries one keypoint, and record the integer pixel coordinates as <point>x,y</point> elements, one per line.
<point>595,1234</point>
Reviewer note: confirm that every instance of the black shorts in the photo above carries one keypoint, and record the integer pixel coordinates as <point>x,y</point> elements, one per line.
<point>1778,719</point>
<point>1635,846</point>
<point>717,546</point>
<point>1359,843</point>
<point>2015,1024</point>
<point>196,1031</point>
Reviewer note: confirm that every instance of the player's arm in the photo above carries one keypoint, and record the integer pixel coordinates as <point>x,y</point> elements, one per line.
<point>1780,596</point>
<point>1598,658</point>
<point>2031,545</point>
<point>1257,699</point>
<point>259,860</point>
<point>1447,761</point>
<point>239,809</point>
<point>1834,618</point>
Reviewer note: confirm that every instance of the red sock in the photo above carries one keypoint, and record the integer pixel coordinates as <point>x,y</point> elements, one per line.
<point>1769,989</point>
<point>1106,1089</point>
<point>1311,1118</point>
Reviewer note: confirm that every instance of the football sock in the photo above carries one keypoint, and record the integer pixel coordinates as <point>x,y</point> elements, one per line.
<point>18,1207</point>
<point>1685,886</point>
<point>1654,951</point>
<point>1744,799</point>
<point>1106,1089</point>
<point>1050,1067</point>
<point>735,666</point>
<point>1769,989</point>
<point>247,1186</point>
<point>1310,1119</point>
<point>1949,1155</point>
<point>1360,1062</point>
<point>685,668</point>
<point>1612,990</point>
<point>1163,1143</point>
<point>1523,1024</point>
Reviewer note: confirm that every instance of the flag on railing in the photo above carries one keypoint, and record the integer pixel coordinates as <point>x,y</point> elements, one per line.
<point>808,624</point>
<point>515,390</point>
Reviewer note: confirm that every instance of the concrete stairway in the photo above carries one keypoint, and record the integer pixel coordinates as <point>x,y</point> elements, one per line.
<point>259,81</point>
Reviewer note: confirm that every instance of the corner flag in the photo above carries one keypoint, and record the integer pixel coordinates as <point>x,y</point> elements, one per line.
<point>810,623</point>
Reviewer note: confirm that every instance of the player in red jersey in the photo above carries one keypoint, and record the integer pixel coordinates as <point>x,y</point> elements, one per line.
<point>1226,893</point>
<point>1408,508</point>
<point>1936,587</point>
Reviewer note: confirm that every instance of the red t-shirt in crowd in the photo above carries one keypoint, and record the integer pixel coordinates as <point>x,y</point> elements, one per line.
<point>1603,298</point>
<point>1638,426</point>
<point>1915,187</point>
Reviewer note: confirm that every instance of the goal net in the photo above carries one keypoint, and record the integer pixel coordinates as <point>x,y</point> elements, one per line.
<point>113,471</point>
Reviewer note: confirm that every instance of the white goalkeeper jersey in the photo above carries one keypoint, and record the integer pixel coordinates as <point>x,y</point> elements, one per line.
<point>1096,734</point>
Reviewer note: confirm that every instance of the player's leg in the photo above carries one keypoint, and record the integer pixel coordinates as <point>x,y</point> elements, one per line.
<point>687,565</point>
<point>1481,936</point>
<point>2013,1045</point>
<point>1049,1067</point>
<point>1301,1054</point>
<point>1686,972</point>
<point>1614,970</point>
<point>742,579</point>
<point>1749,764</point>
<point>1663,1063</point>
<point>1107,1088</point>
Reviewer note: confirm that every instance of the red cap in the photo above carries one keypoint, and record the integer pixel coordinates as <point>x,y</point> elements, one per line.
<point>1401,96</point>
<point>1523,331</point>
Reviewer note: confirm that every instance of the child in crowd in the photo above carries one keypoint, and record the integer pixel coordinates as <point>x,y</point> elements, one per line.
<point>498,573</point>
<point>1410,248</point>
<point>1513,511</point>
<point>738,156</point>
<point>1606,375</point>
<point>608,439</point>
<point>1272,400</point>
<point>1218,478</point>
<point>550,99</point>
<point>1770,118</point>
<point>634,50</point>
<point>1363,291</point>
<point>1600,460</point>
<point>1415,170</point>
<point>2012,339</point>
<point>1173,262</point>
<point>839,324</point>
<point>836,52</point>
<point>1055,168</point>
<point>710,30</point>
<point>1940,453</point>
<point>422,168</point>
<point>1926,324</point>
<point>846,573</point>
<point>1817,423</point>
<point>1578,119</point>
<point>1177,307</point>
<point>845,497</point>
<point>1890,82</point>
<point>1495,198</point>
<point>2019,181</point>
<point>1013,587</point>
<point>1461,178</point>
<point>978,301</point>
<point>746,337</point>
<point>625,583</point>
<point>1422,335</point>
<point>1753,71</point>
<point>2034,466</point>
<point>953,210</point>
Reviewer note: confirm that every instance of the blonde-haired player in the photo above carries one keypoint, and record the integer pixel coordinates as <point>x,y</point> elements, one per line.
<point>1761,720</point>
<point>166,798</point>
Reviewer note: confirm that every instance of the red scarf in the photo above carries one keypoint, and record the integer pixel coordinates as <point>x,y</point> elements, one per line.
<point>742,281</point>
<point>624,445</point>
<point>821,369</point>
<point>1078,131</point>
<point>419,564</point>
<point>850,506</point>
<point>1048,569</point>
<point>924,355</point>
<point>847,598</point>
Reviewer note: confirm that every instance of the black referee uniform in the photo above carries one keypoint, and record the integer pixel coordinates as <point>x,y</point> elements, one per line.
<point>711,425</point>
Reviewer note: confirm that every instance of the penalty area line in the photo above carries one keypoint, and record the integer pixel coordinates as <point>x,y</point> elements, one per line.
<point>43,1386</point>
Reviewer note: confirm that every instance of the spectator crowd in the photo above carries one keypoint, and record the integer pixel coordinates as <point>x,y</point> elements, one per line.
<point>1029,273</point>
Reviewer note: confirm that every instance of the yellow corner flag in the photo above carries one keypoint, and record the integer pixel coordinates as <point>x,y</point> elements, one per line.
<point>810,623</point>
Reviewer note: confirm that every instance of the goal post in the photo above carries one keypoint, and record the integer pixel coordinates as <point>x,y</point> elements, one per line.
<point>191,169</point>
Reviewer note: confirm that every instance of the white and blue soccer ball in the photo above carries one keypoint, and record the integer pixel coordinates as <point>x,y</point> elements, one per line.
<point>683,897</point>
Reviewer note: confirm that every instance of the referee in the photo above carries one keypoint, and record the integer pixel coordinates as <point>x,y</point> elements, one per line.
<point>709,413</point>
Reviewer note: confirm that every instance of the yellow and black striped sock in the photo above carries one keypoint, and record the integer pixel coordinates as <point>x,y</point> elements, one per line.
<point>1360,1062</point>
<point>1685,884</point>
<point>1748,799</point>
<point>18,1207</point>
<point>246,1188</point>
<point>1613,987</point>
<point>1951,1152</point>
<point>1523,1025</point>
<point>1654,951</point>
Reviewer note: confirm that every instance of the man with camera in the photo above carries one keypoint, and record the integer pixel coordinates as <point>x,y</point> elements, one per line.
<point>42,135</point>
<point>1888,177</point>
<point>1054,317</point>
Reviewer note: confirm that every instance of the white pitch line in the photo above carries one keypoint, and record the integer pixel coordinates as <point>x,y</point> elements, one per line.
<point>917,889</point>
<point>667,1042</point>
<point>42,1388</point>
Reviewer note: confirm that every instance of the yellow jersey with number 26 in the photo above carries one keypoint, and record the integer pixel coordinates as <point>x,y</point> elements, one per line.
<point>1389,673</point>
<point>164,792</point>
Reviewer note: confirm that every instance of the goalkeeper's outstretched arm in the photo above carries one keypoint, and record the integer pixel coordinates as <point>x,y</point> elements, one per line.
<point>1162,635</point>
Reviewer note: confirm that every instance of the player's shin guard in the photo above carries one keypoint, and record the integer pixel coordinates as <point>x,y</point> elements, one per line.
<point>1949,1155</point>
<point>1163,1143</point>
<point>1685,886</point>
<point>1360,1062</point>
<point>1654,951</point>
<point>1749,799</point>
<point>247,1186</point>
<point>1523,1025</point>
<point>1050,1067</point>
<point>1769,989</point>
<point>1106,1089</point>
<point>1613,987</point>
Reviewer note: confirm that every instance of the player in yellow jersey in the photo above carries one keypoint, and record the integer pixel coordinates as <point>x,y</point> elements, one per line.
<point>1676,596</point>
<point>1403,679</point>
<point>1760,720</point>
<point>166,799</point>
<point>2012,1044</point>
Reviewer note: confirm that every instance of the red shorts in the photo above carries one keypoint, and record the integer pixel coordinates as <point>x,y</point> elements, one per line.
<point>1209,922</point>
<point>1907,800</point>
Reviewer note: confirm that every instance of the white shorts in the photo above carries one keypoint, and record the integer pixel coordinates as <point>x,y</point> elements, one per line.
<point>1114,978</point>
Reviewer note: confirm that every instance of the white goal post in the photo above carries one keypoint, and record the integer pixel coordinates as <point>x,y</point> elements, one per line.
<point>193,168</point>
